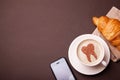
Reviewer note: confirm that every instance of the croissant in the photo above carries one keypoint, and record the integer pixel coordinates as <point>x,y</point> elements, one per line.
<point>110,29</point>
<point>116,41</point>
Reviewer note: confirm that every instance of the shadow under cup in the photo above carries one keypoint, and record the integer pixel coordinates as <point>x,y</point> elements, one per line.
<point>90,52</point>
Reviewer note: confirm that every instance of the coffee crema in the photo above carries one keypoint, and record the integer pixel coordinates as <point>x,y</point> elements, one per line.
<point>89,51</point>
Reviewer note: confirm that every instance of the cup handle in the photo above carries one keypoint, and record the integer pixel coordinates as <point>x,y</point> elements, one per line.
<point>104,63</point>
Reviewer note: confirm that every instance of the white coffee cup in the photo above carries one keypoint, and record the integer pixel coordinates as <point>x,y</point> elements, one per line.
<point>90,50</point>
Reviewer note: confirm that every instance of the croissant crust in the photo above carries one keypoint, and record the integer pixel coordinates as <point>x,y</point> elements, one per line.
<point>110,29</point>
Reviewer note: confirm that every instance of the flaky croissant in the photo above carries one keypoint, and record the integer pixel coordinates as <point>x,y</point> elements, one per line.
<point>116,41</point>
<point>110,29</point>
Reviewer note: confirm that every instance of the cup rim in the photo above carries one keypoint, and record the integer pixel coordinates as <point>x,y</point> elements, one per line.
<point>91,37</point>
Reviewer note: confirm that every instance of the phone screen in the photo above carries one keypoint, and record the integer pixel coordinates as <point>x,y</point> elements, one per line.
<point>61,70</point>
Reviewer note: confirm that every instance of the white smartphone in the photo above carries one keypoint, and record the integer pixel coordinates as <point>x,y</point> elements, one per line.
<point>61,70</point>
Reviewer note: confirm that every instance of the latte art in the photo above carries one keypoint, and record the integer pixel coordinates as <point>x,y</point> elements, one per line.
<point>89,51</point>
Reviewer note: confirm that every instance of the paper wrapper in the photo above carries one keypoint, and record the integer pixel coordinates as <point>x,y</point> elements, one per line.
<point>115,54</point>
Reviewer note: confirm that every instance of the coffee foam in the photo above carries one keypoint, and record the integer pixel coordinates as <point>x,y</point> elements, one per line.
<point>97,50</point>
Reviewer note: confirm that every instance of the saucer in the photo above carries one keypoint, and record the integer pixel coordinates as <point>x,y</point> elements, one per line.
<point>87,70</point>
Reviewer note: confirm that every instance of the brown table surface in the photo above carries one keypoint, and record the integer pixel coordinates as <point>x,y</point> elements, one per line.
<point>34,33</point>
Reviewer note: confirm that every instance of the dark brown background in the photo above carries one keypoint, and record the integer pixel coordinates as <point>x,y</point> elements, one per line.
<point>34,33</point>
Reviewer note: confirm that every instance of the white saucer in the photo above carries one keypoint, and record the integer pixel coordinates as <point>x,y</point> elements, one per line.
<point>82,68</point>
